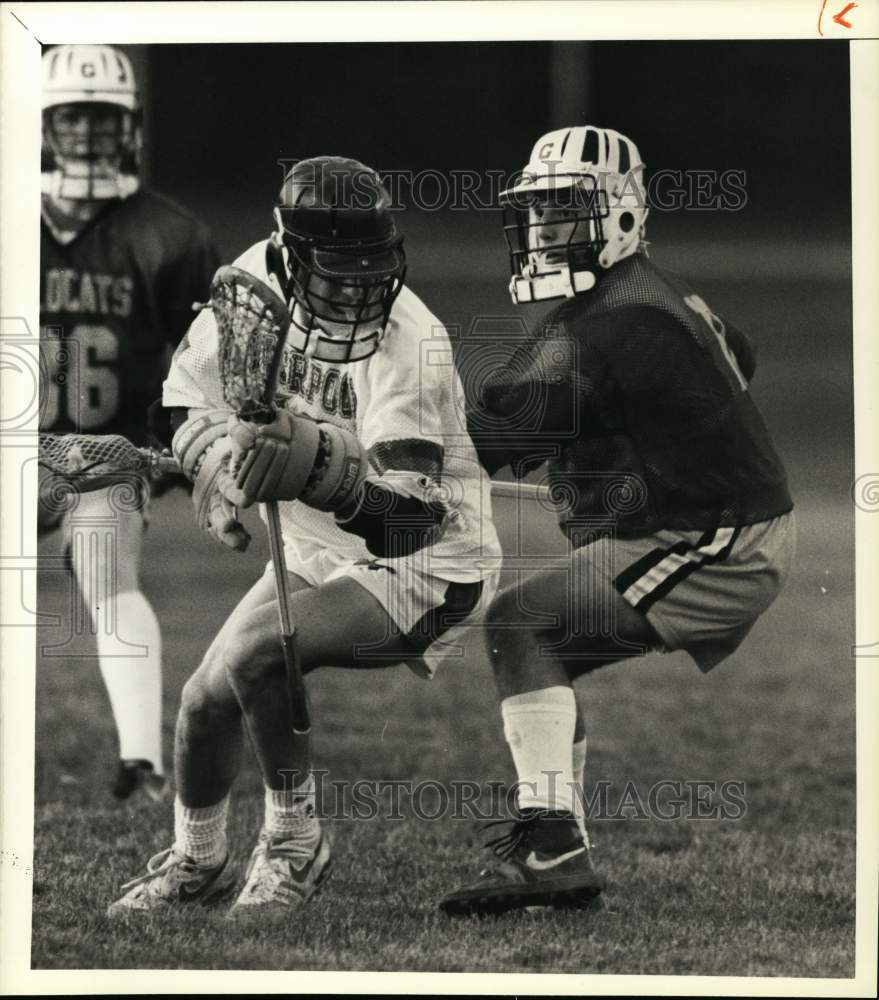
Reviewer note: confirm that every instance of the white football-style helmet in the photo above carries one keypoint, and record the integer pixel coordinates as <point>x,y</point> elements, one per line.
<point>580,206</point>
<point>91,123</point>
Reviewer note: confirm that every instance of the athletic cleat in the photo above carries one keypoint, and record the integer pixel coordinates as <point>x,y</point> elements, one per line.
<point>139,776</point>
<point>173,879</point>
<point>283,873</point>
<point>542,861</point>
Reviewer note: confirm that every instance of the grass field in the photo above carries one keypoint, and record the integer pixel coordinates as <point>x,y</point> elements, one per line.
<point>770,893</point>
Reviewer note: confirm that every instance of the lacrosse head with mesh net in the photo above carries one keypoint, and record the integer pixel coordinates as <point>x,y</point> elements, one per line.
<point>95,461</point>
<point>252,323</point>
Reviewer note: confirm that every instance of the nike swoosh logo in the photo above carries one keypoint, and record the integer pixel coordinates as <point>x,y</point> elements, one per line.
<point>185,892</point>
<point>537,865</point>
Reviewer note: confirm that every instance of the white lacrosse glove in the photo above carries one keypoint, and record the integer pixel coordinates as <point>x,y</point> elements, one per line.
<point>272,461</point>
<point>195,435</point>
<point>213,512</point>
<point>202,447</point>
<point>295,458</point>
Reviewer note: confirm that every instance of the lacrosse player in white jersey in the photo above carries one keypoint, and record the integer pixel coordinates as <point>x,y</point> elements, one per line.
<point>386,565</point>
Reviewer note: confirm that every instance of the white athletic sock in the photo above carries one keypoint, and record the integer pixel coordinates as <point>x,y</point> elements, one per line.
<point>292,811</point>
<point>578,767</point>
<point>201,833</point>
<point>539,727</point>
<point>133,677</point>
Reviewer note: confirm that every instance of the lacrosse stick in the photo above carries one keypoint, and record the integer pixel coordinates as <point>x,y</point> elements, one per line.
<point>86,462</point>
<point>252,323</point>
<point>93,461</point>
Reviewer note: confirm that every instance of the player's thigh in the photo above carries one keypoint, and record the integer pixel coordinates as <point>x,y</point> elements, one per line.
<point>333,621</point>
<point>104,532</point>
<point>571,611</point>
<point>251,620</point>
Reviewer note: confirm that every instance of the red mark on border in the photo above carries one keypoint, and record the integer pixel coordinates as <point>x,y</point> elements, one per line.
<point>838,18</point>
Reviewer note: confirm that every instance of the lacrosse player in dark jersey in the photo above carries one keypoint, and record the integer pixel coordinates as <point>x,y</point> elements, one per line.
<point>670,493</point>
<point>119,270</point>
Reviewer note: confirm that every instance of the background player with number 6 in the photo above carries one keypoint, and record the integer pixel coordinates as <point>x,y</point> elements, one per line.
<point>386,522</point>
<point>119,270</point>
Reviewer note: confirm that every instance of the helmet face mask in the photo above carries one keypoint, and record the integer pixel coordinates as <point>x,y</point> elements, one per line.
<point>344,259</point>
<point>578,208</point>
<point>91,124</point>
<point>555,230</point>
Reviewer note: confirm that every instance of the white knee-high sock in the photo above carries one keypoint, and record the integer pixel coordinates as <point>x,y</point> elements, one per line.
<point>578,768</point>
<point>539,728</point>
<point>201,833</point>
<point>130,653</point>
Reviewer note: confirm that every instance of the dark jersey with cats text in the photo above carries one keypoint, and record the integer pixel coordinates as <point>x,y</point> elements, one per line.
<point>112,301</point>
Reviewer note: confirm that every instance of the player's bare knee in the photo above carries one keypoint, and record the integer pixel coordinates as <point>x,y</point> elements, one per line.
<point>249,656</point>
<point>200,709</point>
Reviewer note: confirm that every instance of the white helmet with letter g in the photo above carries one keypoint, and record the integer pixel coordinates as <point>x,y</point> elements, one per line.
<point>91,123</point>
<point>579,207</point>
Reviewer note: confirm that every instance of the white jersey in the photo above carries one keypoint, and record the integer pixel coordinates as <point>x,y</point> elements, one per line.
<point>408,390</point>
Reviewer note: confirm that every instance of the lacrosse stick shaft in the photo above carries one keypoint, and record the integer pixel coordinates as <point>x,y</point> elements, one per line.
<point>295,683</point>
<point>164,464</point>
<point>252,324</point>
<point>523,491</point>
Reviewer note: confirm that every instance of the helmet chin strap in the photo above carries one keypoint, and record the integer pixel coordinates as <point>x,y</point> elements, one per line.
<point>563,283</point>
<point>59,185</point>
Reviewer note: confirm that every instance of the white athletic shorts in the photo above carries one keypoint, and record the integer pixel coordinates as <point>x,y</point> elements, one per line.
<point>701,591</point>
<point>430,612</point>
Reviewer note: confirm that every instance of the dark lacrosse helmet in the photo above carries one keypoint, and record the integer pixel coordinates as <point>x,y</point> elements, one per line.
<point>343,258</point>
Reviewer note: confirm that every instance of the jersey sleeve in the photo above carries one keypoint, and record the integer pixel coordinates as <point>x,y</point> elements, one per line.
<point>194,377</point>
<point>529,403</point>
<point>402,427</point>
<point>185,278</point>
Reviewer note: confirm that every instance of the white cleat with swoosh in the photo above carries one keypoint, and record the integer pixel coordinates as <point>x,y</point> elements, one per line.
<point>284,872</point>
<point>173,879</point>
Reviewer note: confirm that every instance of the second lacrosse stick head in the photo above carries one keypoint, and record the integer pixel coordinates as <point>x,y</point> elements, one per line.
<point>94,461</point>
<point>252,324</point>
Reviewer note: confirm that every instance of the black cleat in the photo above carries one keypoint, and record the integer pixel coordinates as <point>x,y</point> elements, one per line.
<point>138,776</point>
<point>542,861</point>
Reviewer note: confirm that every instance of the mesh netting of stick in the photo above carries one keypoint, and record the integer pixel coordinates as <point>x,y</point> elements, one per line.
<point>252,323</point>
<point>79,455</point>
